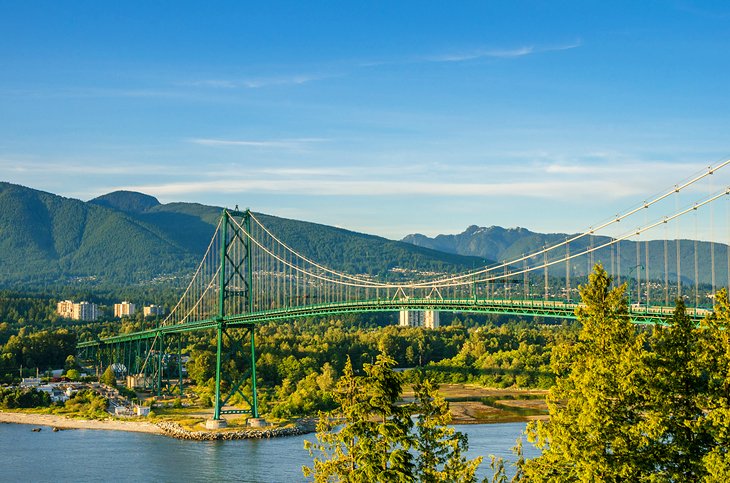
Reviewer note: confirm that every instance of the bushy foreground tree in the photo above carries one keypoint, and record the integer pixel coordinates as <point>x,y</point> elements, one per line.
<point>596,430</point>
<point>632,407</point>
<point>371,438</point>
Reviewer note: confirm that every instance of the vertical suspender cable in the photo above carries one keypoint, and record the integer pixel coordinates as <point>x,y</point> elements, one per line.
<point>677,243</point>
<point>666,267</point>
<point>697,274</point>
<point>545,267</point>
<point>567,270</point>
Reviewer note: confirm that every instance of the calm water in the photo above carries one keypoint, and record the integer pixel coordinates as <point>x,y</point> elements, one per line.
<point>87,455</point>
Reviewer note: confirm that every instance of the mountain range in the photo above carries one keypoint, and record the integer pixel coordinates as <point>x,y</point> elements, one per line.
<point>505,244</point>
<point>127,237</point>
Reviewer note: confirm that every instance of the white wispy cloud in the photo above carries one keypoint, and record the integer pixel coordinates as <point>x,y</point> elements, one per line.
<point>253,143</point>
<point>323,187</point>
<point>258,82</point>
<point>482,53</point>
<point>39,167</point>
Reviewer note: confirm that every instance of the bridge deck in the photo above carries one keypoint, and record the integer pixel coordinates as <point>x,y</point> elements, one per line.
<point>529,308</point>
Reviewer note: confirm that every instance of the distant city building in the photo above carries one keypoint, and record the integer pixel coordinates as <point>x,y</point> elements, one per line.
<point>65,309</point>
<point>85,311</point>
<point>125,309</point>
<point>153,310</point>
<point>78,311</point>
<point>419,318</point>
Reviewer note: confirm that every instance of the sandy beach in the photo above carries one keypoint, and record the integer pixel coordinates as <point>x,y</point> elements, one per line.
<point>62,422</point>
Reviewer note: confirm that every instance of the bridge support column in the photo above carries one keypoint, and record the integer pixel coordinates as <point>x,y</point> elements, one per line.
<point>219,349</point>
<point>254,394</point>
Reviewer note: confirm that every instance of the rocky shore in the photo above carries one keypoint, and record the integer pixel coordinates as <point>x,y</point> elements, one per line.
<point>174,430</point>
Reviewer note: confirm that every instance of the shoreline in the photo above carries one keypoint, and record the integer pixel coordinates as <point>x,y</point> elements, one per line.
<point>62,422</point>
<point>163,428</point>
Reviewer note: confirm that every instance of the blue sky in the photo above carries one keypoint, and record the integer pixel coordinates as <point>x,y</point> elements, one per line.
<point>384,117</point>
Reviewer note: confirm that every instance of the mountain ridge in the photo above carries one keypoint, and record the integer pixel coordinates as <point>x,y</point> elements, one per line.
<point>129,237</point>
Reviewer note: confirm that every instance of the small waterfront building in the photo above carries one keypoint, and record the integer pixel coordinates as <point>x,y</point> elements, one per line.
<point>142,410</point>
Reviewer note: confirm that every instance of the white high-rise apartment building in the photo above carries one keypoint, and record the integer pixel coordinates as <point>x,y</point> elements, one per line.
<point>125,309</point>
<point>419,318</point>
<point>153,310</point>
<point>80,311</point>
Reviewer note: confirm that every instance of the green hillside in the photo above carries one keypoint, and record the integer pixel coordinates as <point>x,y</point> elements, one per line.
<point>131,238</point>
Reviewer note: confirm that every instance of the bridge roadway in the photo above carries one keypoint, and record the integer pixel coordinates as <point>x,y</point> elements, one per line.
<point>531,308</point>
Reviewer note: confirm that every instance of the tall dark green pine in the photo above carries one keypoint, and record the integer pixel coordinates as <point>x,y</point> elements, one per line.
<point>439,447</point>
<point>386,436</point>
<point>375,437</point>
<point>715,360</point>
<point>596,430</point>
<point>674,411</point>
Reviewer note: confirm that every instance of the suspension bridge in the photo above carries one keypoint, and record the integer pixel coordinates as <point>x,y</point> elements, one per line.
<point>249,276</point>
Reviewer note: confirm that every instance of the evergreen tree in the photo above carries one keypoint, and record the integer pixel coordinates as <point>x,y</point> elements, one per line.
<point>108,377</point>
<point>386,436</point>
<point>440,448</point>
<point>338,449</point>
<point>676,384</point>
<point>376,443</point>
<point>596,430</point>
<point>715,350</point>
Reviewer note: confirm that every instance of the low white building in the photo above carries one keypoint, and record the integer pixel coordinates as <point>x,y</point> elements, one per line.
<point>30,382</point>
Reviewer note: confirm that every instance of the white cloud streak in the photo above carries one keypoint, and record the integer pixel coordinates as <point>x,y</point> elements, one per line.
<point>499,53</point>
<point>321,187</point>
<point>250,143</point>
<point>258,82</point>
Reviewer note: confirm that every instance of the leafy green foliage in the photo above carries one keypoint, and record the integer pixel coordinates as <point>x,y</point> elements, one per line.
<point>627,407</point>
<point>45,349</point>
<point>375,437</point>
<point>14,398</point>
<point>676,383</point>
<point>86,404</point>
<point>715,360</point>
